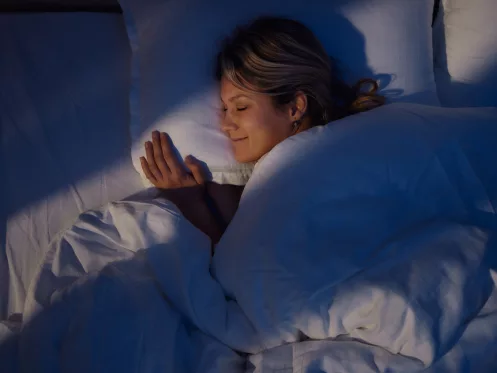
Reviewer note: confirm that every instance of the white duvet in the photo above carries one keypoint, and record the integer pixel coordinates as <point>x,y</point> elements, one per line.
<point>364,246</point>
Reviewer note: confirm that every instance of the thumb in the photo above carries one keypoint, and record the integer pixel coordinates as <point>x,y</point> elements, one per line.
<point>197,169</point>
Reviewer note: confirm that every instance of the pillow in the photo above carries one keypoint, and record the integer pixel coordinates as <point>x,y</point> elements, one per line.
<point>359,211</point>
<point>465,52</point>
<point>174,44</point>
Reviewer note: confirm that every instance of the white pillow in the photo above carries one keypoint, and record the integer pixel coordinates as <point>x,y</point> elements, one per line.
<point>175,42</point>
<point>358,200</point>
<point>465,51</point>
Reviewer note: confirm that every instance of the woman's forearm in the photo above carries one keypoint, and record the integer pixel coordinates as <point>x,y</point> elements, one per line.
<point>202,218</point>
<point>224,200</point>
<point>199,209</point>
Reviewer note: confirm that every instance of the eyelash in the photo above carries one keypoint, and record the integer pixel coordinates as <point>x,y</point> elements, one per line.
<point>237,109</point>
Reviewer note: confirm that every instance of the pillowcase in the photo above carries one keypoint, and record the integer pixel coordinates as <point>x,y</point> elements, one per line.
<point>175,42</point>
<point>465,52</point>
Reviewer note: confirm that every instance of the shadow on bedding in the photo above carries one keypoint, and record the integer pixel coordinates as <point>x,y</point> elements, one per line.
<point>65,117</point>
<point>64,108</point>
<point>9,342</point>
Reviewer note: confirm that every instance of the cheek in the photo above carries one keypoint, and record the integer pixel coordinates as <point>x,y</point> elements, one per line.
<point>257,131</point>
<point>250,122</point>
<point>264,132</point>
<point>269,129</point>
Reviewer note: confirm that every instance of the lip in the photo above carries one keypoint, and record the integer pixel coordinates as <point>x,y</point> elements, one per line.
<point>235,140</point>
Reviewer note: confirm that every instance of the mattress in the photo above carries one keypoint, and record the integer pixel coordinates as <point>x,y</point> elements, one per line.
<point>64,132</point>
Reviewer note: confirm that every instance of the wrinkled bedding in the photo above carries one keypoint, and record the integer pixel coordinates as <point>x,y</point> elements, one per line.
<point>64,133</point>
<point>155,307</point>
<point>349,277</point>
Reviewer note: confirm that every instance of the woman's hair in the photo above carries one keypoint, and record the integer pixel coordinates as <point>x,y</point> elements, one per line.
<point>279,57</point>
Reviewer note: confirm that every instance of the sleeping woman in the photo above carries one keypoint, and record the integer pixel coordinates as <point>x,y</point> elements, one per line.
<point>276,80</point>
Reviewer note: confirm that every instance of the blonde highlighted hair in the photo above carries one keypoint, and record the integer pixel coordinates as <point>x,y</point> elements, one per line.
<point>280,57</point>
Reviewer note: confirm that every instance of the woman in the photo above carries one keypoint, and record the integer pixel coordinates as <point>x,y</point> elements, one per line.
<point>276,80</point>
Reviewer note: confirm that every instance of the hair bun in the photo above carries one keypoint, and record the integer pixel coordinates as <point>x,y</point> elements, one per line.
<point>366,96</point>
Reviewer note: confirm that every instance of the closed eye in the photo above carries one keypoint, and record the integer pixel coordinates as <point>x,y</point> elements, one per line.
<point>224,109</point>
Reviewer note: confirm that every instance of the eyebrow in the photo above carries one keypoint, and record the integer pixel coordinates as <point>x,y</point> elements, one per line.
<point>236,96</point>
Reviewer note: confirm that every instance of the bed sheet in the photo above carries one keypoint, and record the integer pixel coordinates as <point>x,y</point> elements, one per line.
<point>64,132</point>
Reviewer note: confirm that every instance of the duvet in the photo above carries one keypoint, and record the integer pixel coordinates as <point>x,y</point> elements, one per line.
<point>367,245</point>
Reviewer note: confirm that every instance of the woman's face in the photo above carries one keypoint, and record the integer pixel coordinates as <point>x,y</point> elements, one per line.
<point>252,122</point>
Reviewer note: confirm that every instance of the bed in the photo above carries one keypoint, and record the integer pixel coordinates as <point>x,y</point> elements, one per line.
<point>65,149</point>
<point>64,132</point>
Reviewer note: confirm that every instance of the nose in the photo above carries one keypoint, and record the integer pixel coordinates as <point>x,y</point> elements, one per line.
<point>227,124</point>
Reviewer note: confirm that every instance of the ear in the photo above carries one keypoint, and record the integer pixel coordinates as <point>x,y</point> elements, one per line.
<point>298,107</point>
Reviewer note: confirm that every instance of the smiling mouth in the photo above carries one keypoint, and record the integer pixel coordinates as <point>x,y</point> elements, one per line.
<point>235,140</point>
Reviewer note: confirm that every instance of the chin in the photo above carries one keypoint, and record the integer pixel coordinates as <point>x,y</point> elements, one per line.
<point>246,158</point>
<point>241,159</point>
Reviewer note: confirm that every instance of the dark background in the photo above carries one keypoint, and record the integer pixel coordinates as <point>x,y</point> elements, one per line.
<point>108,6</point>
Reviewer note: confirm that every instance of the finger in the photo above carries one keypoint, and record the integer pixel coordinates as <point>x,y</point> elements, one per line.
<point>158,156</point>
<point>151,161</point>
<point>169,155</point>
<point>146,171</point>
<point>196,169</point>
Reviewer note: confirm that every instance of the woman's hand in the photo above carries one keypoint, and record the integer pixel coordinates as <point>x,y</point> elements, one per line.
<point>163,169</point>
<point>185,189</point>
